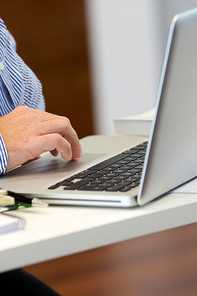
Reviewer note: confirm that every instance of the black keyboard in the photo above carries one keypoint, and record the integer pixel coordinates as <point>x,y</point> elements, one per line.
<point>119,173</point>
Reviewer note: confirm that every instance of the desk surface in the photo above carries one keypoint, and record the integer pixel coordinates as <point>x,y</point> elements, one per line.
<point>58,231</point>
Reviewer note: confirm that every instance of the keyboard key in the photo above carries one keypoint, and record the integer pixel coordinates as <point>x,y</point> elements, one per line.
<point>115,187</point>
<point>55,186</point>
<point>105,178</point>
<point>107,162</point>
<point>76,185</point>
<point>83,174</point>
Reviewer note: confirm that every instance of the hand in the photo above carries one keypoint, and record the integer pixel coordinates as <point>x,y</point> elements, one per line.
<point>28,132</point>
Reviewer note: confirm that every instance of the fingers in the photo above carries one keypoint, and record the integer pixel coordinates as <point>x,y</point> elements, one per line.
<point>53,143</point>
<point>62,126</point>
<point>27,133</point>
<point>48,123</point>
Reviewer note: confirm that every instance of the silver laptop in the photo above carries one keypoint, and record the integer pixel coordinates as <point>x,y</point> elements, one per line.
<point>122,171</point>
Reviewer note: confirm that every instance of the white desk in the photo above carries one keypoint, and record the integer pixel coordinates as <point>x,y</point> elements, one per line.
<point>59,231</point>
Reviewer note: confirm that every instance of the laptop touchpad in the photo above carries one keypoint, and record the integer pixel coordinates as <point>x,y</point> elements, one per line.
<point>48,163</point>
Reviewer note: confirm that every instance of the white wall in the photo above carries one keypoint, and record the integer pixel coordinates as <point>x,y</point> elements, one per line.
<point>126,44</point>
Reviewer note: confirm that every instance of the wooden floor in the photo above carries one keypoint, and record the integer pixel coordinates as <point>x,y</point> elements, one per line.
<point>162,264</point>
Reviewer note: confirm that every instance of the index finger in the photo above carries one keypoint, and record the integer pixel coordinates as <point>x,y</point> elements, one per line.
<point>62,126</point>
<point>71,136</point>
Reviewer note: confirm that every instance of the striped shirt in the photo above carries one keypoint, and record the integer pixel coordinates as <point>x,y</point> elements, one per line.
<point>18,85</point>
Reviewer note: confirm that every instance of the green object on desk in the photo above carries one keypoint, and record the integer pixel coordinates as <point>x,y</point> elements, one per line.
<point>6,208</point>
<point>13,207</point>
<point>10,197</point>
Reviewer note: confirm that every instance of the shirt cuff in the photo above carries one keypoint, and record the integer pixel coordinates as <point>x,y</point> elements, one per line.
<point>3,157</point>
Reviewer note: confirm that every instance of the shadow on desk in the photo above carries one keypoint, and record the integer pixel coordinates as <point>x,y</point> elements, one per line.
<point>161,264</point>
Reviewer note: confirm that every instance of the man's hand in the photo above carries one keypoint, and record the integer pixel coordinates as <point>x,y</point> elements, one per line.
<point>27,133</point>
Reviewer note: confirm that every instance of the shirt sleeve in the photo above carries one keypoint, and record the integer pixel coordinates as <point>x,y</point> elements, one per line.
<point>3,157</point>
<point>18,85</point>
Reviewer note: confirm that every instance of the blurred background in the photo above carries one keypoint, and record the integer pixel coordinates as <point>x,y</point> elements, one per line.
<point>99,60</point>
<point>51,37</point>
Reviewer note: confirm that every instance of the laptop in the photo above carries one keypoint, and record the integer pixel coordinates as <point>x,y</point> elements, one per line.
<point>127,171</point>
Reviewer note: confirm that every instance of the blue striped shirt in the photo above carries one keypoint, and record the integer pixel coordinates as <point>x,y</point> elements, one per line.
<point>18,85</point>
